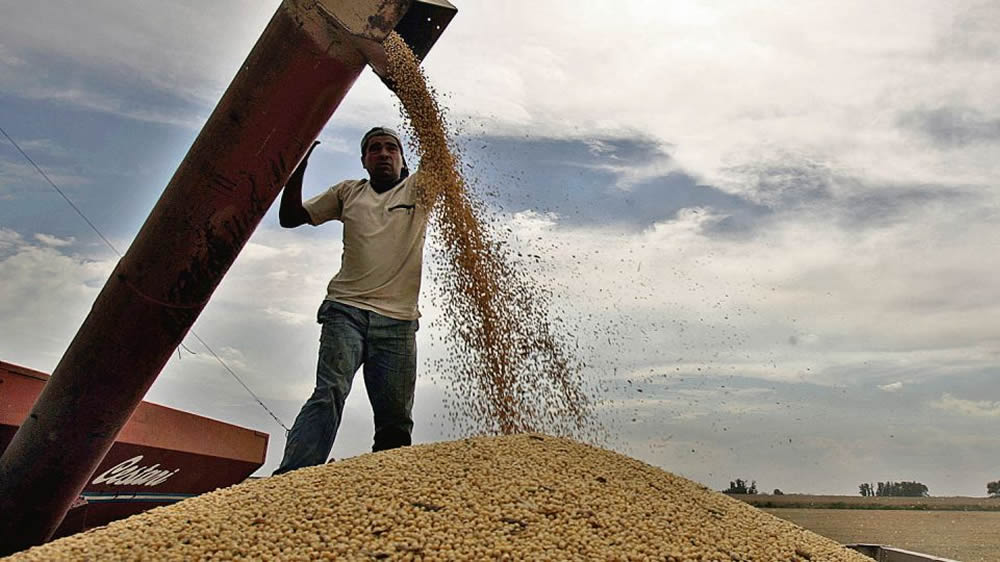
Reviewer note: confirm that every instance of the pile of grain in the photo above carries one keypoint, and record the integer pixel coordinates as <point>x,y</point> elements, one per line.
<point>522,497</point>
<point>508,363</point>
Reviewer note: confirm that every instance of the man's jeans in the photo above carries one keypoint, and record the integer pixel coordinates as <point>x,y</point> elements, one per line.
<point>352,337</point>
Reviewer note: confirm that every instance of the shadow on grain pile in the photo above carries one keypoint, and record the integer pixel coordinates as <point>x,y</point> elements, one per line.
<point>515,497</point>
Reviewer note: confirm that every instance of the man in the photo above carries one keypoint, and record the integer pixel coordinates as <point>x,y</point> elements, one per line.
<point>369,316</point>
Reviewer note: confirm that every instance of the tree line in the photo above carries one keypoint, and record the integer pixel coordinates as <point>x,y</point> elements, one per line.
<point>866,489</point>
<point>739,486</point>
<point>894,489</point>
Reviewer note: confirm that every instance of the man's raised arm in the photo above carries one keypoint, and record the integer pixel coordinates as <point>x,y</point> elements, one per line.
<point>292,213</point>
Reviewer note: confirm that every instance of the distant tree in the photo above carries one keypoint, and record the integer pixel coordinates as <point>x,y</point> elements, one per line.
<point>993,489</point>
<point>901,489</point>
<point>913,490</point>
<point>866,490</point>
<point>777,492</point>
<point>740,487</point>
<point>736,487</point>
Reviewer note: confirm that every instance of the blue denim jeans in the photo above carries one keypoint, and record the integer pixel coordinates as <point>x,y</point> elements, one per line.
<point>352,337</point>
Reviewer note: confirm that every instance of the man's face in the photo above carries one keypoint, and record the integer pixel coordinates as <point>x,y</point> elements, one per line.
<point>383,159</point>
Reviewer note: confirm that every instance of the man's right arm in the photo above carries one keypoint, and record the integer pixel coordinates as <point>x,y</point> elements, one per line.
<point>292,213</point>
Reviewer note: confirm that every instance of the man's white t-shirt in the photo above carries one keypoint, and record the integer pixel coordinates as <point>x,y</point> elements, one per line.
<point>383,245</point>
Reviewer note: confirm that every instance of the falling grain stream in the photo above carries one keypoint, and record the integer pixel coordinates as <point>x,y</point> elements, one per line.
<point>508,366</point>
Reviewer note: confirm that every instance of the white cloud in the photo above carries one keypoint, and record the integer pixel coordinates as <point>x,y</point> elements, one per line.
<point>733,81</point>
<point>185,50</point>
<point>334,144</point>
<point>46,145</point>
<point>20,172</point>
<point>530,223</point>
<point>256,251</point>
<point>44,296</point>
<point>286,316</point>
<point>54,241</point>
<point>168,46</point>
<point>971,408</point>
<point>9,238</point>
<point>891,387</point>
<point>630,174</point>
<point>598,147</point>
<point>112,104</point>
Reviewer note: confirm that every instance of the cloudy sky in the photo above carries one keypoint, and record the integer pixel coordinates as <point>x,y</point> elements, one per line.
<point>773,225</point>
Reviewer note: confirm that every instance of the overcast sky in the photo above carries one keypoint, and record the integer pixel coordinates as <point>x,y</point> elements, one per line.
<point>773,226</point>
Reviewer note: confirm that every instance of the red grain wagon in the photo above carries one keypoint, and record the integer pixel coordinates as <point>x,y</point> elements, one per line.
<point>161,456</point>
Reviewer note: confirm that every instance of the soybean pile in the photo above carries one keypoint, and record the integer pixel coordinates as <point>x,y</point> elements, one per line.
<point>508,364</point>
<point>520,497</point>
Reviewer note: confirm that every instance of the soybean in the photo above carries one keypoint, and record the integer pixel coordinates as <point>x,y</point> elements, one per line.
<point>517,497</point>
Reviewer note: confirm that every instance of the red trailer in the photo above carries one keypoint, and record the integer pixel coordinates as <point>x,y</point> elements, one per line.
<point>161,456</point>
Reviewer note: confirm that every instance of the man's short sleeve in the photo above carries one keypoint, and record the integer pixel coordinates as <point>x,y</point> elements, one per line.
<point>326,206</point>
